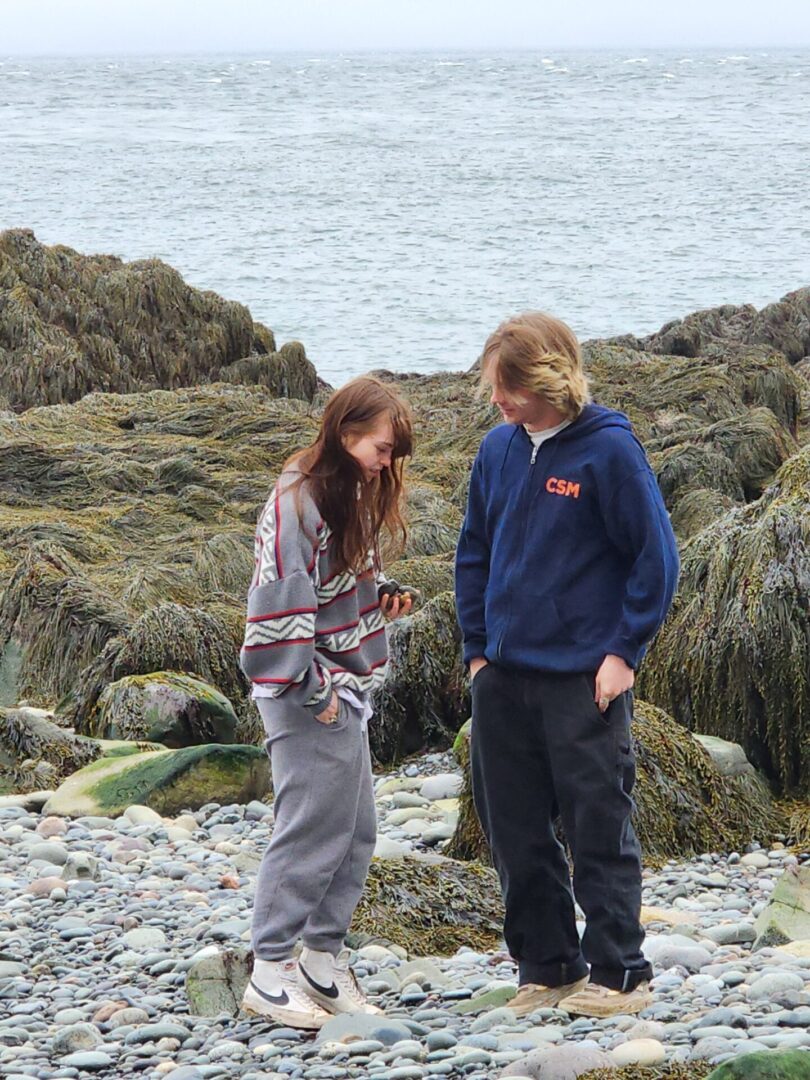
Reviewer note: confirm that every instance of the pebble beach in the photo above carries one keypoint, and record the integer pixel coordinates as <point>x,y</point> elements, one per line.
<point>103,918</point>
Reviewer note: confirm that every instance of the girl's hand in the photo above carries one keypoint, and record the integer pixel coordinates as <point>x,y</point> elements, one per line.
<point>329,714</point>
<point>613,678</point>
<point>396,605</point>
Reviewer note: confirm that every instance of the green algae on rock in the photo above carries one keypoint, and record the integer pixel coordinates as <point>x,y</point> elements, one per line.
<point>167,781</point>
<point>167,707</point>
<point>431,905</point>
<point>685,805</point>
<point>765,1065</point>
<point>733,658</point>
<point>71,324</point>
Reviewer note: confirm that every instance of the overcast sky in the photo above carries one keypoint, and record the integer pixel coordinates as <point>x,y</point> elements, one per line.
<point>45,27</point>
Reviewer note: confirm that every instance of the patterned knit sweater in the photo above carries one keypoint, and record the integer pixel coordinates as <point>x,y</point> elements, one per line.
<point>309,629</point>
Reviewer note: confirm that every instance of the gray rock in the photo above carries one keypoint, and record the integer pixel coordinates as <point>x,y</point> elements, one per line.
<point>91,1060</point>
<point>347,1026</point>
<point>691,957</point>
<point>75,1037</point>
<point>559,1063</point>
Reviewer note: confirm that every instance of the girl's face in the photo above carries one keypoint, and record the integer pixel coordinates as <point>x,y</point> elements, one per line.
<point>372,451</point>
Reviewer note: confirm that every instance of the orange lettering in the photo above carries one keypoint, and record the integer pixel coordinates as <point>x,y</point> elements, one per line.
<point>555,486</point>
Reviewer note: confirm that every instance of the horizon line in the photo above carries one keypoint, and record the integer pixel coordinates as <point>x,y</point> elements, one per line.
<point>400,51</point>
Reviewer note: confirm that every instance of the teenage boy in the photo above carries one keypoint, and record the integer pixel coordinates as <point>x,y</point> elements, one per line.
<point>565,569</point>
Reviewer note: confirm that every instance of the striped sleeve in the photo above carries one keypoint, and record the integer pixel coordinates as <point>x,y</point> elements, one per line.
<point>279,648</point>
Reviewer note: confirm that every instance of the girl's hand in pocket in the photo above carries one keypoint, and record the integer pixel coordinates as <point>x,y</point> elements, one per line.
<point>329,714</point>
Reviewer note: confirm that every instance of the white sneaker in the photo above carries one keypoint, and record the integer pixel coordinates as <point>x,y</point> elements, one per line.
<point>329,981</point>
<point>280,998</point>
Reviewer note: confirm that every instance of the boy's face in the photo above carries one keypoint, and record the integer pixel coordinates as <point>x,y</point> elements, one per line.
<point>518,408</point>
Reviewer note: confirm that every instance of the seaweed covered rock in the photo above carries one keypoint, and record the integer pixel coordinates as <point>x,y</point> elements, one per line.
<point>733,658</point>
<point>71,324</point>
<point>36,753</point>
<point>671,396</point>
<point>425,697</point>
<point>431,905</point>
<point>117,504</point>
<point>167,707</point>
<point>685,803</point>
<point>784,325</point>
<point>167,781</point>
<point>168,637</point>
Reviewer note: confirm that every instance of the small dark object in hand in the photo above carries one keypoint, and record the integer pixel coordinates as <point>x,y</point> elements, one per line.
<point>389,589</point>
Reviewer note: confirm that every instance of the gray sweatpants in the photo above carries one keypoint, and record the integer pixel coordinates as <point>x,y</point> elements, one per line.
<point>314,869</point>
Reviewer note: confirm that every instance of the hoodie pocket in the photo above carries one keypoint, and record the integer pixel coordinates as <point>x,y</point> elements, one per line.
<point>536,623</point>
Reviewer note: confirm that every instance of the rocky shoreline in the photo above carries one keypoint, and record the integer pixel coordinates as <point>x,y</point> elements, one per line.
<point>117,934</point>
<point>141,423</point>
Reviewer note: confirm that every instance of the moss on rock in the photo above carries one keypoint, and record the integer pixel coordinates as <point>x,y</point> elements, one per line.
<point>168,781</point>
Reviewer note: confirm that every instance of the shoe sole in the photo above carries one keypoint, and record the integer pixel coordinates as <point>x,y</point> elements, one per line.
<point>614,1007</point>
<point>262,1009</point>
<point>334,1009</point>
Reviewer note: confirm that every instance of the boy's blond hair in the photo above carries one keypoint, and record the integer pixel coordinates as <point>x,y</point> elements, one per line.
<point>537,353</point>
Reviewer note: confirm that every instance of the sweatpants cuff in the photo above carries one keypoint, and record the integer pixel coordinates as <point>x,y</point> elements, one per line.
<point>322,943</point>
<point>550,974</point>
<point>625,979</point>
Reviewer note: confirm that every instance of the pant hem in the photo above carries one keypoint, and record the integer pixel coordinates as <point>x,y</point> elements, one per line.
<point>625,979</point>
<point>551,974</point>
<point>330,945</point>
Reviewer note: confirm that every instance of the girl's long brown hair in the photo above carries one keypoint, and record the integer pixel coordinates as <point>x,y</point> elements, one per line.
<point>357,510</point>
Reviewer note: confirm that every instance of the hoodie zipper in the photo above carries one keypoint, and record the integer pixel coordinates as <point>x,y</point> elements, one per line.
<point>527,503</point>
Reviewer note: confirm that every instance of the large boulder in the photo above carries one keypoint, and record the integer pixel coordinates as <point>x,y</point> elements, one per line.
<point>786,916</point>
<point>733,658</point>
<point>685,803</point>
<point>167,781</point>
<point>166,707</point>
<point>168,637</point>
<point>71,324</point>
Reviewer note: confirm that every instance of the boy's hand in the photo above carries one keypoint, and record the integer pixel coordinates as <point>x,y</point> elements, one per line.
<point>614,677</point>
<point>476,664</point>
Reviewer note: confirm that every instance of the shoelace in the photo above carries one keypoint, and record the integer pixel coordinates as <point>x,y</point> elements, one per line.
<point>349,982</point>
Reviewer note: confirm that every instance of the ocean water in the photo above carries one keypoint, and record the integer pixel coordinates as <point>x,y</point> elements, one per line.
<point>390,209</point>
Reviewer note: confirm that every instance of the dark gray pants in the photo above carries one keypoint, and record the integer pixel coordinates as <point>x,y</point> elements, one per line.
<point>314,869</point>
<point>540,747</point>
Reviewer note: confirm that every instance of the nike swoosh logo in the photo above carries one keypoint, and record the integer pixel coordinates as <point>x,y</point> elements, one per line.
<point>327,991</point>
<point>274,999</point>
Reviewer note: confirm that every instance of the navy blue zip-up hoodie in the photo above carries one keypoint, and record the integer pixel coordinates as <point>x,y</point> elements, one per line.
<point>565,555</point>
